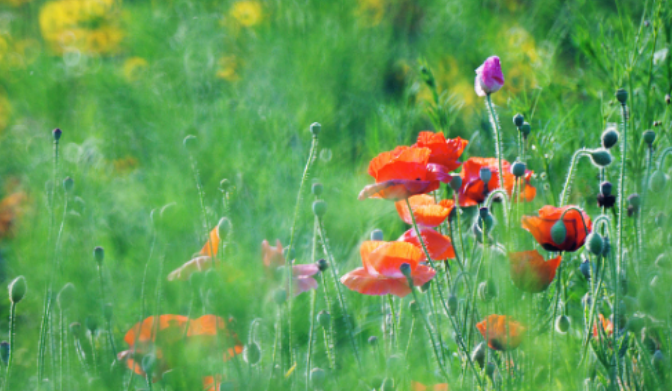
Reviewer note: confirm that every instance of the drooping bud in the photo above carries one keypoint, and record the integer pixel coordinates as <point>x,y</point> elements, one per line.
<point>317,189</point>
<point>224,185</point>
<point>315,129</point>
<point>99,255</point>
<point>634,202</point>
<point>605,199</point>
<point>485,219</point>
<point>456,183</point>
<point>525,129</point>
<point>649,136</point>
<point>518,169</point>
<point>405,269</point>
<point>657,181</point>
<point>562,324</point>
<point>485,174</point>
<point>478,355</point>
<point>487,290</point>
<point>453,304</point>
<point>595,243</point>
<point>413,306</point>
<point>319,208</point>
<point>610,137</point>
<point>322,264</point>
<point>667,99</point>
<point>68,184</point>
<point>377,235</point>
<point>57,134</point>
<point>601,157</point>
<point>518,120</point>
<point>559,232</point>
<point>252,353</point>
<point>324,318</point>
<point>149,364</point>
<point>17,289</point>
<point>658,362</point>
<point>4,352</point>
<point>606,246</point>
<point>622,95</point>
<point>490,370</point>
<point>189,142</point>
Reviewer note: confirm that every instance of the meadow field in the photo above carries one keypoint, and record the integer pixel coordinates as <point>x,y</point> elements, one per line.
<point>335,195</point>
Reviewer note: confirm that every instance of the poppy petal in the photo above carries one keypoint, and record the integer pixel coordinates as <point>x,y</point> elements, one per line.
<point>359,280</point>
<point>439,246</point>
<point>198,264</point>
<point>427,213</point>
<point>388,258</point>
<point>397,189</point>
<point>212,245</point>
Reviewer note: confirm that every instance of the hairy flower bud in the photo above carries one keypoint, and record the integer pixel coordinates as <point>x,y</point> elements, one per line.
<point>649,136</point>
<point>657,181</point>
<point>456,183</point>
<point>562,324</point>
<point>478,355</point>
<point>319,208</point>
<point>57,134</point>
<point>610,137</point>
<point>324,318</point>
<point>317,189</point>
<point>453,304</point>
<point>322,264</point>
<point>559,232</point>
<point>518,169</point>
<point>485,174</point>
<point>405,269</point>
<point>518,119</point>
<point>601,157</point>
<point>595,243</point>
<point>224,227</point>
<point>98,255</point>
<point>525,129</point>
<point>252,353</point>
<point>189,142</point>
<point>315,129</point>
<point>377,235</point>
<point>622,95</point>
<point>17,289</point>
<point>68,184</point>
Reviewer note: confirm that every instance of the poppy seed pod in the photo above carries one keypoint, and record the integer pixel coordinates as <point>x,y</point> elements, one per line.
<point>319,208</point>
<point>585,269</point>
<point>657,181</point>
<point>68,184</point>
<point>99,254</point>
<point>413,306</point>
<point>57,134</point>
<point>487,290</point>
<point>4,352</point>
<point>478,355</point>
<point>634,200</point>
<point>456,183</point>
<point>610,137</point>
<point>377,235</point>
<point>518,169</point>
<point>606,187</point>
<point>317,377</point>
<point>17,289</point>
<point>595,243</point>
<point>189,142</point>
<point>324,318</point>
<point>622,95</point>
<point>490,370</point>
<point>252,353</point>
<point>405,269</point>
<point>453,304</point>
<point>559,232</point>
<point>600,157</point>
<point>224,185</point>
<point>562,324</point>
<point>649,136</point>
<point>317,189</point>
<point>525,129</point>
<point>322,264</point>
<point>149,364</point>
<point>518,120</point>
<point>485,174</point>
<point>658,361</point>
<point>315,129</point>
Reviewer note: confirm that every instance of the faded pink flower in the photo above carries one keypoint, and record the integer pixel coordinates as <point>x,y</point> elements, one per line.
<point>489,77</point>
<point>302,277</point>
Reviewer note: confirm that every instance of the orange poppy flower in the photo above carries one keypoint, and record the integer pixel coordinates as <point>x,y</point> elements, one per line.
<point>204,261</point>
<point>402,173</point>
<point>273,256</point>
<point>10,208</point>
<point>606,326</point>
<point>444,152</point>
<point>540,228</point>
<point>211,247</point>
<point>381,275</point>
<point>166,339</point>
<point>530,272</point>
<point>501,332</point>
<point>415,386</point>
<point>473,189</point>
<point>439,246</point>
<point>212,383</point>
<point>426,211</point>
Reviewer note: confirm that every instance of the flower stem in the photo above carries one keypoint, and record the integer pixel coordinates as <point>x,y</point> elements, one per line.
<point>12,324</point>
<point>564,197</point>
<point>621,213</point>
<point>494,121</point>
<point>311,320</point>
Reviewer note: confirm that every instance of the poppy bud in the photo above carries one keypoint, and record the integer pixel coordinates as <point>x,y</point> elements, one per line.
<point>4,352</point>
<point>453,304</point>
<point>224,185</point>
<point>649,136</point>
<point>17,289</point>
<point>518,119</point>
<point>91,324</point>
<point>149,364</point>
<point>189,142</point>
<point>413,306</point>
<point>562,324</point>
<point>600,157</point>
<point>478,355</point>
<point>490,370</point>
<point>456,183</point>
<point>605,188</point>
<point>57,133</point>
<point>76,329</point>
<point>667,98</point>
<point>373,340</point>
<point>324,318</point>
<point>485,174</point>
<point>377,235</point>
<point>317,189</point>
<point>280,296</point>
<point>559,232</point>
<point>107,312</point>
<point>68,184</point>
<point>518,169</point>
<point>405,269</point>
<point>657,181</point>
<point>315,129</point>
<point>487,290</point>
<point>585,269</point>
<point>595,243</point>
<point>425,287</point>
<point>322,264</point>
<point>252,353</point>
<point>610,137</point>
<point>317,377</point>
<point>622,95</point>
<point>66,296</point>
<point>98,255</point>
<point>658,361</point>
<point>525,129</point>
<point>319,208</point>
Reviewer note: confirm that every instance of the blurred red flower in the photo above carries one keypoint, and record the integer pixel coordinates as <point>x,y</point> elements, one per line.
<point>501,332</point>
<point>606,326</point>
<point>426,211</point>
<point>540,228</point>
<point>473,190</point>
<point>439,246</point>
<point>530,272</point>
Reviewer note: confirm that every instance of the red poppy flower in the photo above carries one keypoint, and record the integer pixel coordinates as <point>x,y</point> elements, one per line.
<point>444,152</point>
<point>473,189</point>
<point>212,383</point>
<point>381,275</point>
<point>540,228</point>
<point>501,332</point>
<point>439,246</point>
<point>530,272</point>
<point>415,386</point>
<point>426,211</point>
<point>402,173</point>
<point>606,326</point>
<point>166,339</point>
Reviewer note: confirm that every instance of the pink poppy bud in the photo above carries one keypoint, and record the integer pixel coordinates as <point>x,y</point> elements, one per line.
<point>489,77</point>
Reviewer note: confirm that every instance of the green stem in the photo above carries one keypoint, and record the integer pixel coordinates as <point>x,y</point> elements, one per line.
<point>311,321</point>
<point>12,324</point>
<point>498,140</point>
<point>621,213</point>
<point>393,332</point>
<point>564,197</point>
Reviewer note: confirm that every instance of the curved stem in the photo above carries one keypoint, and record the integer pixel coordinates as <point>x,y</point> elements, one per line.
<point>568,181</point>
<point>505,197</point>
<point>621,213</point>
<point>663,155</point>
<point>494,121</point>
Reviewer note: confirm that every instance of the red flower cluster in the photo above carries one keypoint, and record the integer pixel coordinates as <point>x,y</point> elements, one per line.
<point>474,191</point>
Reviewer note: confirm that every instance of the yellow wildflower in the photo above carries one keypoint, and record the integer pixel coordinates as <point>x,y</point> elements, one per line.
<point>247,13</point>
<point>133,68</point>
<point>228,68</point>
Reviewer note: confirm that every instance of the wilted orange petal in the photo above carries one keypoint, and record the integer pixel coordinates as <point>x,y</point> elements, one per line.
<point>415,386</point>
<point>359,280</point>
<point>212,245</point>
<point>530,272</point>
<point>197,264</point>
<point>146,331</point>
<point>272,256</point>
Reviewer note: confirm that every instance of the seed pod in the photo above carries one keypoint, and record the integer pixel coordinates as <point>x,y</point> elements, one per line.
<point>606,187</point>
<point>485,174</point>
<point>413,306</point>
<point>518,120</point>
<point>609,137</point>
<point>585,268</point>
<point>17,289</point>
<point>322,264</point>
<point>377,235</point>
<point>68,184</point>
<point>456,183</point>
<point>189,142</point>
<point>98,255</point>
<point>4,352</point>
<point>224,227</point>
<point>649,136</point>
<point>606,246</point>
<point>595,243</point>
<point>601,157</point>
<point>657,181</point>
<point>658,362</point>
<point>490,370</point>
<point>478,355</point>
<point>525,129</point>
<point>319,208</point>
<point>56,133</point>
<point>252,353</point>
<point>224,185</point>
<point>317,189</point>
<point>562,324</point>
<point>453,304</point>
<point>373,340</point>
<point>315,129</point>
<point>405,269</point>
<point>518,169</point>
<point>324,318</point>
<point>622,95</point>
<point>559,232</point>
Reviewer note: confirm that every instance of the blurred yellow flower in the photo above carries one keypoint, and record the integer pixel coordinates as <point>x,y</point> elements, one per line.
<point>370,11</point>
<point>520,41</point>
<point>89,26</point>
<point>228,68</point>
<point>464,92</point>
<point>133,68</point>
<point>247,13</point>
